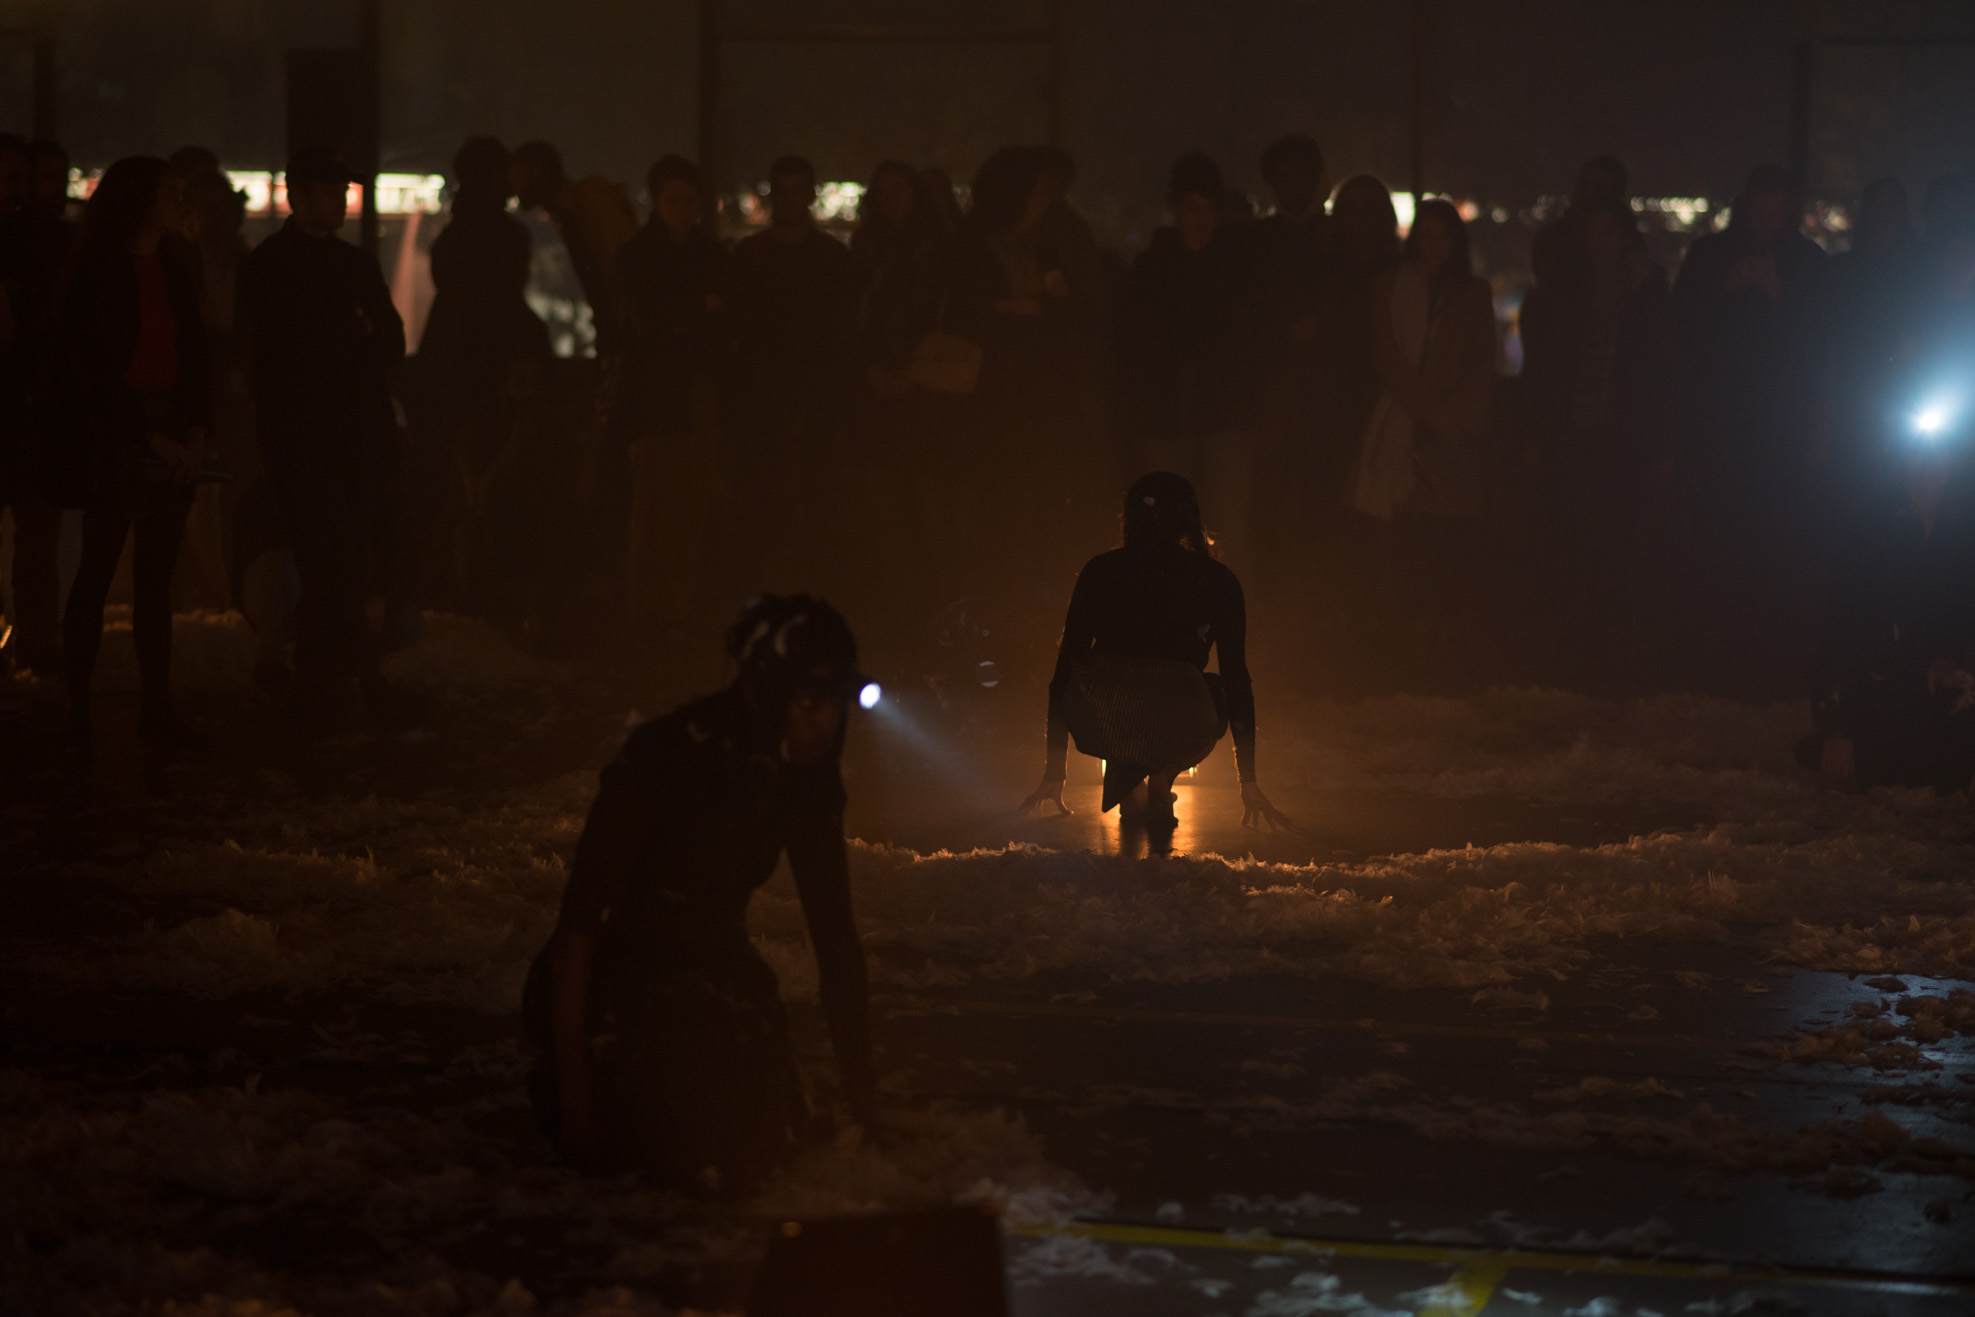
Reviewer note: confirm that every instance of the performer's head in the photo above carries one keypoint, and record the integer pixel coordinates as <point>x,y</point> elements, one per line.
<point>797,667</point>
<point>1161,508</point>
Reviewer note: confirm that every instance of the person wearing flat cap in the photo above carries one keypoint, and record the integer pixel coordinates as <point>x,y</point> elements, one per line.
<point>325,344</point>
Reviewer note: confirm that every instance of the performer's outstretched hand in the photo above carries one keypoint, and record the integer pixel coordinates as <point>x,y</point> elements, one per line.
<point>1256,811</point>
<point>1049,793</point>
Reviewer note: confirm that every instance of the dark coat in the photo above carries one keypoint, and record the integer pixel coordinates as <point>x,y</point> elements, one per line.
<point>1185,373</point>
<point>326,341</point>
<point>35,254</point>
<point>676,327</point>
<point>480,319</point>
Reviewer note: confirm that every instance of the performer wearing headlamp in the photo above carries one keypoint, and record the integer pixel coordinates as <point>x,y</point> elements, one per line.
<point>662,1038</point>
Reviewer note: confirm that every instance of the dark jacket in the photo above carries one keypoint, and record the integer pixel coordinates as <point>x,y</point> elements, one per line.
<point>1594,359</point>
<point>1746,345</point>
<point>100,319</point>
<point>1184,370</point>
<point>676,327</point>
<point>326,340</point>
<point>480,320</point>
<point>35,255</point>
<point>1289,264</point>
<point>793,307</point>
<point>901,290</point>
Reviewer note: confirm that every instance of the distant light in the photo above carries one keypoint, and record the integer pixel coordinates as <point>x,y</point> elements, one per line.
<point>1932,421</point>
<point>1402,210</point>
<point>868,697</point>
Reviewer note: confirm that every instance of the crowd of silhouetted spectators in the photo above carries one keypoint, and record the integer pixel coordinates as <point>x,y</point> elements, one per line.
<point>1745,473</point>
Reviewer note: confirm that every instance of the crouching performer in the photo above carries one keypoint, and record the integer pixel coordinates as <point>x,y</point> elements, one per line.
<point>1130,681</point>
<point>661,1038</point>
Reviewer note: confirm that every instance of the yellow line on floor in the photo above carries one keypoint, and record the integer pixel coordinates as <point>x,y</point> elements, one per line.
<point>1467,1291</point>
<point>1481,1269</point>
<point>913,1006</point>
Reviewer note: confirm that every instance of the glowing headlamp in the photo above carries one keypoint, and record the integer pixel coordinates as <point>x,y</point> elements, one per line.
<point>869,694</point>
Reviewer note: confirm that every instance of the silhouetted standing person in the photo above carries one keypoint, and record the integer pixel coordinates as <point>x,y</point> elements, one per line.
<point>904,487</point>
<point>675,283</point>
<point>794,308</point>
<point>480,367</point>
<point>1593,380</point>
<point>1746,340</point>
<point>1364,232</point>
<point>1032,454</point>
<point>480,319</point>
<point>1425,467</point>
<point>139,355</point>
<point>897,248</point>
<point>39,467</point>
<point>1876,310</point>
<point>326,341</point>
<point>1558,257</point>
<point>1067,236</point>
<point>1294,376</point>
<point>1187,386</point>
<point>210,247</point>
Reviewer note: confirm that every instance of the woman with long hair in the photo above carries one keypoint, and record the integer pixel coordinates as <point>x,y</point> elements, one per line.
<point>898,245</point>
<point>132,321</point>
<point>1434,342</point>
<point>1364,237</point>
<point>1034,451</point>
<point>479,366</point>
<point>1131,682</point>
<point>1421,470</point>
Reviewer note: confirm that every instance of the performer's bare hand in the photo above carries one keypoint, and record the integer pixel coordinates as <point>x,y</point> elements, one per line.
<point>1256,811</point>
<point>1049,793</point>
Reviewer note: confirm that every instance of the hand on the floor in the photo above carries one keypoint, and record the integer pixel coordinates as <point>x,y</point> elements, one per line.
<point>1049,793</point>
<point>1256,811</point>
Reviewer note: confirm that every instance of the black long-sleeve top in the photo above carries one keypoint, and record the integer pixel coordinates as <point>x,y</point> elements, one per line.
<point>1185,370</point>
<point>1165,602</point>
<point>100,316</point>
<point>689,820</point>
<point>676,329</point>
<point>326,340</point>
<point>480,321</point>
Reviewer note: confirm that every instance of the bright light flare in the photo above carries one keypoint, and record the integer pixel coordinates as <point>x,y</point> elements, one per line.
<point>1933,420</point>
<point>869,695</point>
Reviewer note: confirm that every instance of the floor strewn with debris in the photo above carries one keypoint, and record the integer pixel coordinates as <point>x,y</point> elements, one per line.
<point>1553,1005</point>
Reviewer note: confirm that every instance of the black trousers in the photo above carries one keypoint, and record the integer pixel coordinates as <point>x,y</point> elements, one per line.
<point>157,532</point>
<point>321,497</point>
